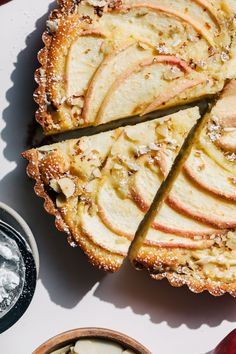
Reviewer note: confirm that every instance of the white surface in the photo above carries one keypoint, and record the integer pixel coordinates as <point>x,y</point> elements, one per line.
<point>71,293</point>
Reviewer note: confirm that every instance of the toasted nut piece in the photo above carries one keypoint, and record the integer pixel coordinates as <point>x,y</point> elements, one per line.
<point>67,186</point>
<point>162,131</point>
<point>60,201</point>
<point>53,165</point>
<point>54,185</point>
<point>97,172</point>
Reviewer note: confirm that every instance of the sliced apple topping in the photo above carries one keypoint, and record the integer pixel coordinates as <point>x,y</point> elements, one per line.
<point>227,141</point>
<point>138,86</point>
<point>143,187</point>
<point>95,229</point>
<point>174,89</point>
<point>119,215</point>
<point>82,61</point>
<point>98,53</point>
<point>170,221</point>
<point>203,170</point>
<point>193,11</point>
<point>163,239</point>
<point>170,12</point>
<point>187,198</point>
<point>219,156</point>
<point>106,74</point>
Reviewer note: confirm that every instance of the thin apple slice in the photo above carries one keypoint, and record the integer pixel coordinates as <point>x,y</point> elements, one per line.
<point>202,15</point>
<point>106,74</point>
<point>187,198</point>
<point>98,233</point>
<point>224,110</point>
<point>170,131</point>
<point>90,153</point>
<point>158,238</point>
<point>96,346</point>
<point>218,138</point>
<point>208,174</point>
<point>144,186</point>
<point>148,179</point>
<point>121,216</point>
<point>170,221</point>
<point>82,60</point>
<point>175,88</point>
<point>138,86</point>
<point>170,12</point>
<point>227,141</point>
<point>214,152</point>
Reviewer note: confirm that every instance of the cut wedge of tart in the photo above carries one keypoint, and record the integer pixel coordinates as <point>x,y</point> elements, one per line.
<point>105,60</point>
<point>94,185</point>
<point>200,188</point>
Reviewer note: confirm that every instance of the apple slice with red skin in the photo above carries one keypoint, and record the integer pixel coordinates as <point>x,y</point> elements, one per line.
<point>121,216</point>
<point>227,141</point>
<point>206,6</point>
<point>107,72</point>
<point>144,187</point>
<point>203,171</point>
<point>83,57</point>
<point>174,89</point>
<point>213,151</point>
<point>162,239</point>
<point>190,199</point>
<point>139,70</point>
<point>94,229</point>
<point>168,11</point>
<point>227,345</point>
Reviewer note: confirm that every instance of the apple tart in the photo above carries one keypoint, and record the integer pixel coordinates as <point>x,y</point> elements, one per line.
<point>99,187</point>
<point>104,60</point>
<point>204,191</point>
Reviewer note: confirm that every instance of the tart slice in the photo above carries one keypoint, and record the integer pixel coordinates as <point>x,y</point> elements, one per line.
<point>93,185</point>
<point>104,60</point>
<point>201,189</point>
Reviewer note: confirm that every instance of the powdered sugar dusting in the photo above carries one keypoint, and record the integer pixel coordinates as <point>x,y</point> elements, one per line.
<point>12,273</point>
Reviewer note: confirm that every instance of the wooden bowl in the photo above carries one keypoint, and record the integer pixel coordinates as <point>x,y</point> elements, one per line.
<point>72,336</point>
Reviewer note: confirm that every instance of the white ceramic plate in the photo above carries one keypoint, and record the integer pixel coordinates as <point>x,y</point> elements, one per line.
<point>70,292</point>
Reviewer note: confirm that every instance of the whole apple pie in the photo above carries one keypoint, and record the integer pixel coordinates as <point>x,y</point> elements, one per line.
<point>162,191</point>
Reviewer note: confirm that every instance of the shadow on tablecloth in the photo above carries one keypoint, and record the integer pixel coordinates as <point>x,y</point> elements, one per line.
<point>64,271</point>
<point>163,303</point>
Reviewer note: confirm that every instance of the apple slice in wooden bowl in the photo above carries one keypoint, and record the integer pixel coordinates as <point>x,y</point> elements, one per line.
<point>91,340</point>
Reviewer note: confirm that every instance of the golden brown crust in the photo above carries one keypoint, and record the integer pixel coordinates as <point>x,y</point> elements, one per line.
<point>98,256</point>
<point>52,58</point>
<point>159,268</point>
